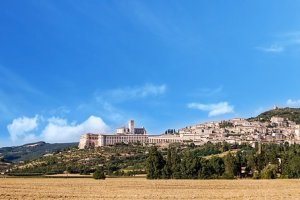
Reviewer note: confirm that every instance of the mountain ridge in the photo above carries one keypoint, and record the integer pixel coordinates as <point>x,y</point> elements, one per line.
<point>31,151</point>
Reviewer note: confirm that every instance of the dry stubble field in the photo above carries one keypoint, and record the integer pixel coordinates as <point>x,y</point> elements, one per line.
<point>139,188</point>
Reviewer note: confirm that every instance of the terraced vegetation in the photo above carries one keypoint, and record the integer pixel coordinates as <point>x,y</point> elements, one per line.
<point>118,160</point>
<point>140,188</point>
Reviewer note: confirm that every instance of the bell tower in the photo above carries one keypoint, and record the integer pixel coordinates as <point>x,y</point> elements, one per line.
<point>131,126</point>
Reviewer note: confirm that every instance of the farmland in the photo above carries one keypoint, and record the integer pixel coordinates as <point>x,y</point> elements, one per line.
<point>140,188</point>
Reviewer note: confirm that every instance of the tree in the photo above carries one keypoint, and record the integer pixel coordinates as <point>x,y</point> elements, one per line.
<point>229,162</point>
<point>167,171</point>
<point>111,168</point>
<point>189,165</point>
<point>99,174</point>
<point>251,162</point>
<point>84,170</point>
<point>217,164</point>
<point>225,147</point>
<point>206,170</point>
<point>269,172</point>
<point>294,167</point>
<point>175,162</point>
<point>155,164</point>
<point>260,161</point>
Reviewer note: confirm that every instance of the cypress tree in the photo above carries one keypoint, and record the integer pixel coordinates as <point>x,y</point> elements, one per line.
<point>155,164</point>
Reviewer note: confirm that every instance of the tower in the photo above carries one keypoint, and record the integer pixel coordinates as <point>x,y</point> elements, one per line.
<point>259,148</point>
<point>131,126</point>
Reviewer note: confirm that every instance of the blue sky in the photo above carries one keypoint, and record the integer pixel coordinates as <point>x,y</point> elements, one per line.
<point>68,67</point>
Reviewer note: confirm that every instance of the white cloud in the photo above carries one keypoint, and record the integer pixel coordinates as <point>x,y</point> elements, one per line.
<point>213,109</point>
<point>293,103</point>
<point>59,130</point>
<point>272,49</point>
<point>22,128</point>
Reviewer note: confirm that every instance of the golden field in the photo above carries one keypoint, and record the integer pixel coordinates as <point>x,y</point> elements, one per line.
<point>140,188</point>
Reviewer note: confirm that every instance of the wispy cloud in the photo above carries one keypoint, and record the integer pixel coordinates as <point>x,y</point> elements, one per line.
<point>107,102</point>
<point>14,92</point>
<point>291,38</point>
<point>207,92</point>
<point>293,103</point>
<point>62,110</point>
<point>151,21</point>
<point>6,109</point>
<point>272,49</point>
<point>282,42</point>
<point>132,93</point>
<point>213,109</point>
<point>161,26</point>
<point>12,80</point>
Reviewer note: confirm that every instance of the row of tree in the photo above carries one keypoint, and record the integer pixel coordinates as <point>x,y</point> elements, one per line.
<point>272,162</point>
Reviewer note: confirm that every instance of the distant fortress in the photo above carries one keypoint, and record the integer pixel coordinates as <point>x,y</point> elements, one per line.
<point>233,131</point>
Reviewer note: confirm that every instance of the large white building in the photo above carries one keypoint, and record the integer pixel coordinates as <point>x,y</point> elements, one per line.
<point>130,134</point>
<point>126,134</point>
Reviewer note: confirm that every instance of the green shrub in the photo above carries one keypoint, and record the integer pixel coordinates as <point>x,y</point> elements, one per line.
<point>99,174</point>
<point>256,175</point>
<point>269,172</point>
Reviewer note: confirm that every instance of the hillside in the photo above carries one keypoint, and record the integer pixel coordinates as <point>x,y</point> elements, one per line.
<point>4,165</point>
<point>118,160</point>
<point>32,151</point>
<point>292,114</point>
<point>179,161</point>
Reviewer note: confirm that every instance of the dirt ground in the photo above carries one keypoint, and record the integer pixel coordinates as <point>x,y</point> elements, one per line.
<point>140,188</point>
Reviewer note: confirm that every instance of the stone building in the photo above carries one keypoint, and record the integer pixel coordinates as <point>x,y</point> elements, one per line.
<point>126,134</point>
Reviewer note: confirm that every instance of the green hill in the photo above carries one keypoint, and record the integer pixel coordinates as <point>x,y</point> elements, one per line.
<point>4,165</point>
<point>118,160</point>
<point>292,114</point>
<point>32,151</point>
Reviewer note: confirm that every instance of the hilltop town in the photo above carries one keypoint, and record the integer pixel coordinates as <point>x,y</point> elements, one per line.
<point>279,125</point>
<point>226,151</point>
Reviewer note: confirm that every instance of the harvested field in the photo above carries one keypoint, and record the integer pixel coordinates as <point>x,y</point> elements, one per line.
<point>140,188</point>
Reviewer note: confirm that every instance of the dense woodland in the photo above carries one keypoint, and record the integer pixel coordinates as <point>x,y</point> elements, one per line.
<point>270,162</point>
